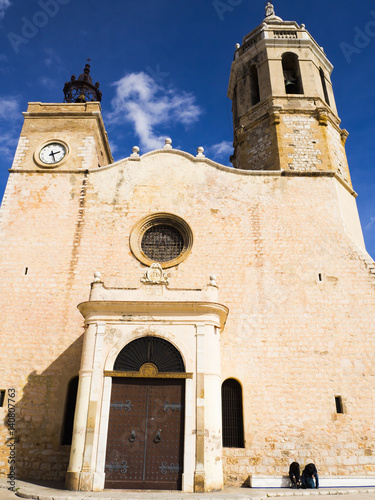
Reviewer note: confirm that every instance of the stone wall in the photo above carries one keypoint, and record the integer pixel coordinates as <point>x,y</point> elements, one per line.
<point>301,302</point>
<point>302,148</point>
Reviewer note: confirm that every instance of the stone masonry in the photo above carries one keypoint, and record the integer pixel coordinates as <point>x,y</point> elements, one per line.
<point>279,240</point>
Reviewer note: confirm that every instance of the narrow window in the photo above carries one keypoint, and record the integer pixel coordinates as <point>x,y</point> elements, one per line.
<point>254,85</point>
<point>324,85</point>
<point>26,271</point>
<point>231,398</point>
<point>292,74</point>
<point>70,406</point>
<point>2,397</point>
<point>339,405</point>
<point>234,108</point>
<point>320,277</point>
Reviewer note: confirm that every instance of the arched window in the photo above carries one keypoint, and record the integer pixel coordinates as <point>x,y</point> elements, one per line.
<point>324,85</point>
<point>231,400</point>
<point>153,350</point>
<point>70,407</point>
<point>292,74</point>
<point>254,85</point>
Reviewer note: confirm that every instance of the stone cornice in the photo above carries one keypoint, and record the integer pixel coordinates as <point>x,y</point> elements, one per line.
<point>155,312</point>
<point>210,163</point>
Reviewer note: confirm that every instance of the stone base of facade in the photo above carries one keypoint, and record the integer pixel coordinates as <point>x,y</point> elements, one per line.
<point>324,482</point>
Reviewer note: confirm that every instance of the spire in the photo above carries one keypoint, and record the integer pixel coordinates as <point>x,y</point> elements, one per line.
<point>82,89</point>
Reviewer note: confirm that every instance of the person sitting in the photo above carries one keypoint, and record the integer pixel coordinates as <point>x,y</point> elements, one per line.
<point>310,478</point>
<point>294,474</point>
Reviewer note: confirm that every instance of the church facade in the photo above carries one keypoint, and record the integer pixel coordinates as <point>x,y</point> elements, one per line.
<point>173,323</point>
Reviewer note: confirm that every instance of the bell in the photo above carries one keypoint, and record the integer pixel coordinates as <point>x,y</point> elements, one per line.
<point>291,87</point>
<point>81,98</point>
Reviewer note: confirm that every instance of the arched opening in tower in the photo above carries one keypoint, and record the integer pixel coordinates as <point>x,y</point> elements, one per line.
<point>292,74</point>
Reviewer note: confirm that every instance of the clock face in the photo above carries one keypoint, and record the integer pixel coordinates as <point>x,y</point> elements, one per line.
<point>53,153</point>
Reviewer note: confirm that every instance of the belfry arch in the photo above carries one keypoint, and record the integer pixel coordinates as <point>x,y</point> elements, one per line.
<point>292,73</point>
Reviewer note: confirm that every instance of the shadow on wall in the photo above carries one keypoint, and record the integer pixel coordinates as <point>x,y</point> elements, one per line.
<point>40,419</point>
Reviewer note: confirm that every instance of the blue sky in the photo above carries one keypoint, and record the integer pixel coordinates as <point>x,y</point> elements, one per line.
<point>164,65</point>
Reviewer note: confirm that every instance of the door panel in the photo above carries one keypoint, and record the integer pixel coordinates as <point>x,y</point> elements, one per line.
<point>145,434</point>
<point>125,446</point>
<point>164,446</point>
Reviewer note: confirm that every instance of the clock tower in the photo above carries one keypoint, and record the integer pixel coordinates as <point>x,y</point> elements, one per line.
<point>69,136</point>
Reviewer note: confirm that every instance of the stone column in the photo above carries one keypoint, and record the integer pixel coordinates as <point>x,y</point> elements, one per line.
<point>213,422</point>
<point>199,474</point>
<point>209,470</point>
<point>72,481</point>
<point>189,439</point>
<point>93,415</point>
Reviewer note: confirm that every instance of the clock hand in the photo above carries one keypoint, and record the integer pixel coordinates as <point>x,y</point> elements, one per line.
<point>53,155</point>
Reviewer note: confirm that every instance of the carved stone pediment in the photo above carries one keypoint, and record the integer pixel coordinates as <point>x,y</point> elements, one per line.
<point>155,275</point>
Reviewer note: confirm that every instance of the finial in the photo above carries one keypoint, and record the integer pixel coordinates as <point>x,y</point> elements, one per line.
<point>135,151</point>
<point>238,46</point>
<point>213,280</point>
<point>82,89</point>
<point>97,277</point>
<point>200,152</point>
<point>168,143</point>
<point>270,11</point>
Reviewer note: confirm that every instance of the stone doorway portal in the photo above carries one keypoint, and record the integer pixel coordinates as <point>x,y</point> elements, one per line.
<point>145,445</point>
<point>145,434</point>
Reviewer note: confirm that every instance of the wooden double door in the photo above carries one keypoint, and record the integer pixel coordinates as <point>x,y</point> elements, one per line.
<point>145,434</point>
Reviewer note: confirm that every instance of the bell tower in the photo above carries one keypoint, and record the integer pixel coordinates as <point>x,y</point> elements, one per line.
<point>65,137</point>
<point>284,110</point>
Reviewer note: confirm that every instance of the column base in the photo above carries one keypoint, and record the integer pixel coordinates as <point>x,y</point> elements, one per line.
<point>84,481</point>
<point>199,482</point>
<point>72,481</point>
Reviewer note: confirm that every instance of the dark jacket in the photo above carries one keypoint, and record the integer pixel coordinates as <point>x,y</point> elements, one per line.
<point>308,475</point>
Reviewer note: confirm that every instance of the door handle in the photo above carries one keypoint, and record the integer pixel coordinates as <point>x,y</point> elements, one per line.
<point>157,438</point>
<point>132,437</point>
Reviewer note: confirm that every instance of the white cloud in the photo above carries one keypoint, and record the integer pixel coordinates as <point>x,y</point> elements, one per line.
<point>52,58</point>
<point>9,108</point>
<point>113,147</point>
<point>148,105</point>
<point>4,4</point>
<point>371,223</point>
<point>222,149</point>
<point>8,143</point>
<point>47,82</point>
<point>10,119</point>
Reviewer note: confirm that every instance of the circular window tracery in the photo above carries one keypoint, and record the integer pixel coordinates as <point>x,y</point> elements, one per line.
<point>163,238</point>
<point>162,243</point>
